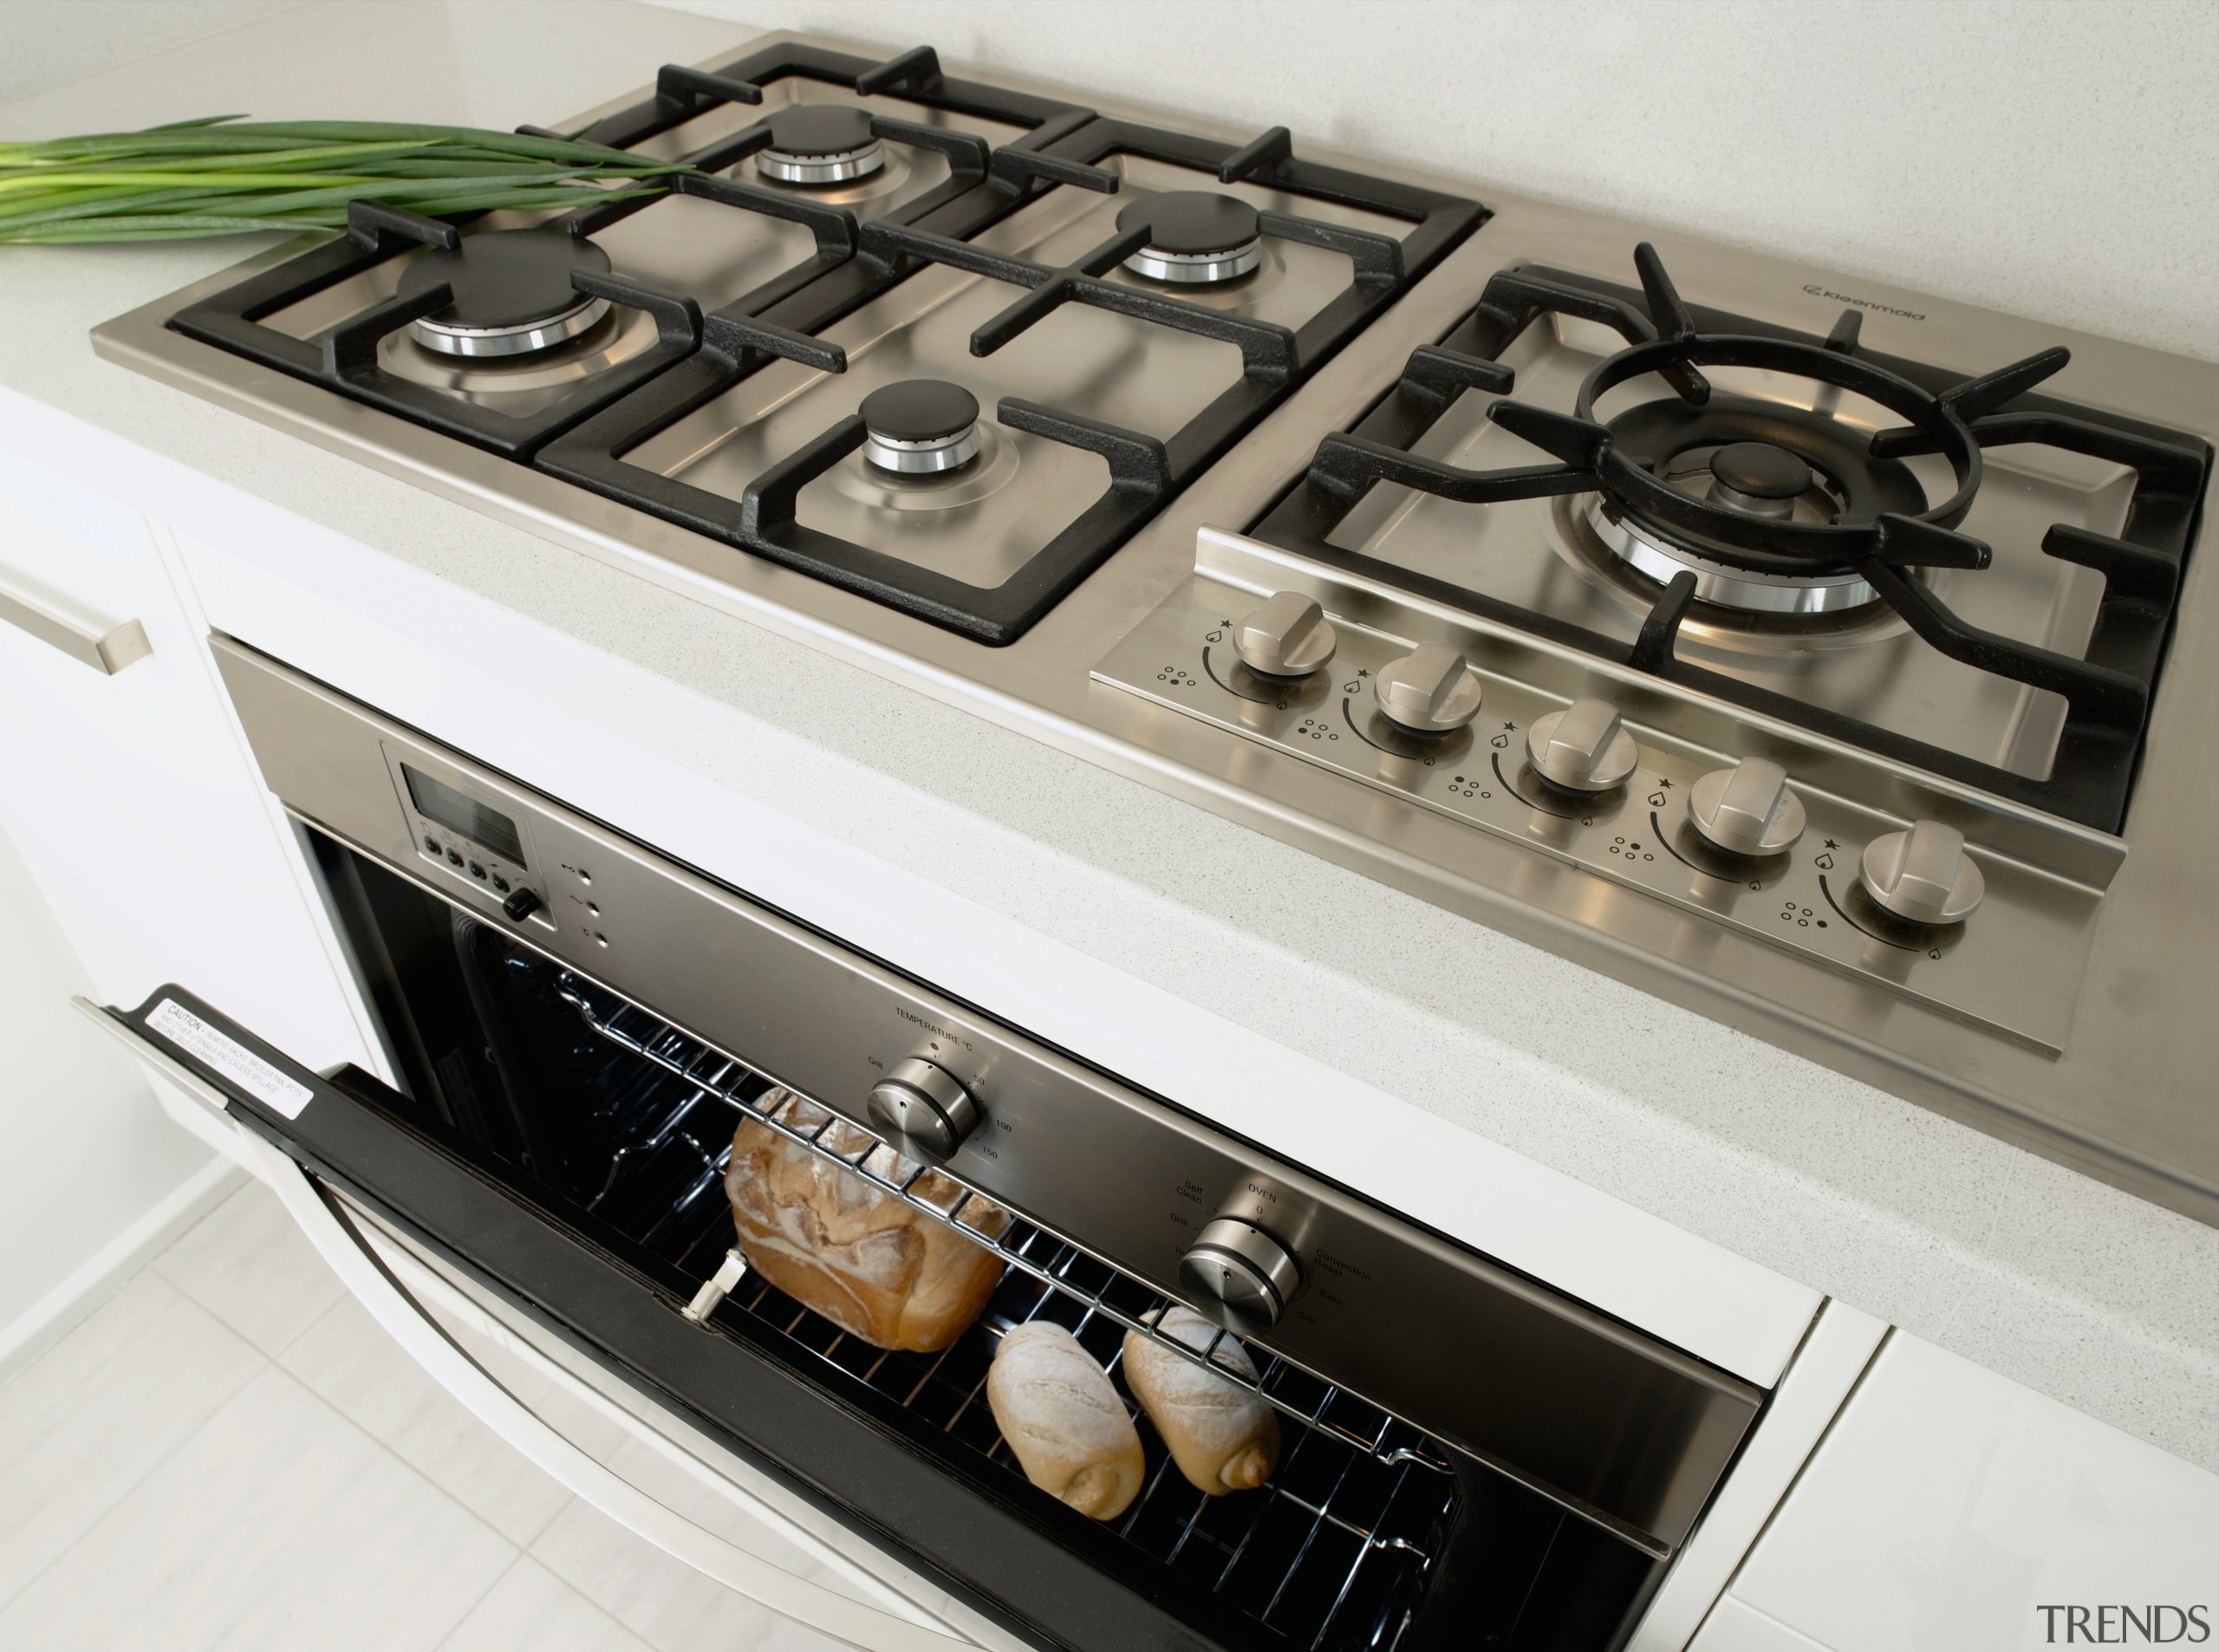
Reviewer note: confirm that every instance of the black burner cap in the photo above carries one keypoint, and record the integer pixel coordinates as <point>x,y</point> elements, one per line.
<point>819,129</point>
<point>1192,221</point>
<point>507,277</point>
<point>919,410</point>
<point>1760,470</point>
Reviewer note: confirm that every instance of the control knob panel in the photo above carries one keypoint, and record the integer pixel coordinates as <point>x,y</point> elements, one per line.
<point>1238,1269</point>
<point>1288,636</point>
<point>1583,748</point>
<point>1742,825</point>
<point>1923,876</point>
<point>1428,690</point>
<point>1746,809</point>
<point>926,1112</point>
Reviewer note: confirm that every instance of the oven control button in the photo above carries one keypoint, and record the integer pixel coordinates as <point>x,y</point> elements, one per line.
<point>520,906</point>
<point>1289,636</point>
<point>1581,748</point>
<point>1429,692</point>
<point>1237,1266</point>
<point>1746,809</point>
<point>926,1112</point>
<point>1923,876</point>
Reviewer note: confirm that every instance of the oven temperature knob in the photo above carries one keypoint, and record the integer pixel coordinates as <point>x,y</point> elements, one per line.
<point>1746,809</point>
<point>1923,876</point>
<point>1289,636</point>
<point>1581,748</point>
<point>926,1112</point>
<point>1236,1266</point>
<point>1429,692</point>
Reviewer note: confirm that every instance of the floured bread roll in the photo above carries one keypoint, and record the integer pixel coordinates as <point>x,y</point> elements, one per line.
<point>1223,1437</point>
<point>1064,1421</point>
<point>869,1262</point>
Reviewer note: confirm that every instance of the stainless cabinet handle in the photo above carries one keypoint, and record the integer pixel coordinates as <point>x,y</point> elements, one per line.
<point>108,652</point>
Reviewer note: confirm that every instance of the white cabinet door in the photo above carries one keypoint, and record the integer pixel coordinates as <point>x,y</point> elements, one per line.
<point>132,797</point>
<point>1950,1510</point>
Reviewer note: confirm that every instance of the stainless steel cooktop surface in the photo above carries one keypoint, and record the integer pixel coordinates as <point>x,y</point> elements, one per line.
<point>1830,657</point>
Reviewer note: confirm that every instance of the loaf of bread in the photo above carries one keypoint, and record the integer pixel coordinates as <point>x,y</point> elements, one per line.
<point>1069,1430</point>
<point>1222,1436</point>
<point>870,1264</point>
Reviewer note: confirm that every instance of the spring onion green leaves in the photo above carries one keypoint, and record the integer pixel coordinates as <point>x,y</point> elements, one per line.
<point>224,176</point>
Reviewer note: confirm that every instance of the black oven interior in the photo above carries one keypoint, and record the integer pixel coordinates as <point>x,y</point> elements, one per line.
<point>618,1126</point>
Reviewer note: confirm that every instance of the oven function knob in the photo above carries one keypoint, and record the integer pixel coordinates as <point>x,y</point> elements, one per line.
<point>1236,1266</point>
<point>1585,747</point>
<point>1428,691</point>
<point>521,905</point>
<point>926,1112</point>
<point>1746,809</point>
<point>1923,876</point>
<point>1289,636</point>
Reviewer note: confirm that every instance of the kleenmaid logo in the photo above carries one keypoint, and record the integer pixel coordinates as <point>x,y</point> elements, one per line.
<point>1834,298</point>
<point>2124,1625</point>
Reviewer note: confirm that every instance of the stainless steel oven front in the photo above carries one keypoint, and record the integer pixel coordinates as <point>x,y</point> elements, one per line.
<point>574,1025</point>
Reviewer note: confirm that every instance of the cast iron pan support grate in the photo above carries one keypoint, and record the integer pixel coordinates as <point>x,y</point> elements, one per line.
<point>345,358</point>
<point>1144,471</point>
<point>2107,692</point>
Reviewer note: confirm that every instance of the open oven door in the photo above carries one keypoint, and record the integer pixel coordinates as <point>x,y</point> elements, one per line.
<point>353,1181</point>
<point>449,1246</point>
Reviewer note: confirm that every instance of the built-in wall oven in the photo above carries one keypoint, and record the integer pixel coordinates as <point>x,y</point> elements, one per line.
<point>575,1025</point>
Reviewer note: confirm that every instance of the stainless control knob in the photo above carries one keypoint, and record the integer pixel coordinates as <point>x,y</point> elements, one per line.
<point>926,1112</point>
<point>1746,809</point>
<point>1237,1266</point>
<point>1581,748</point>
<point>1429,692</point>
<point>1923,876</point>
<point>1289,636</point>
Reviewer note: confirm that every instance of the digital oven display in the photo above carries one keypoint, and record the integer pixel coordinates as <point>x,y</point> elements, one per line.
<point>458,812</point>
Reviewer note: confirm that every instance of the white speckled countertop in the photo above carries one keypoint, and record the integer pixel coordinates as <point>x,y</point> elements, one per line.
<point>2081,1291</point>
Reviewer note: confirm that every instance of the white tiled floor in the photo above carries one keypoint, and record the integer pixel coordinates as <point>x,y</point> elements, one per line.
<point>232,1454</point>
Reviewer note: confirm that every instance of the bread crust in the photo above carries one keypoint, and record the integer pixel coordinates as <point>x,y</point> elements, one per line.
<point>1222,1436</point>
<point>1062,1417</point>
<point>872,1265</point>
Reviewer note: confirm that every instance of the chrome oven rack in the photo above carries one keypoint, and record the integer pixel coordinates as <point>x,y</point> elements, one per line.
<point>1279,1383</point>
<point>1351,1473</point>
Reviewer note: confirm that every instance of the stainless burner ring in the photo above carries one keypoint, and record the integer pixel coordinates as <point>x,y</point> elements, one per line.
<point>1725,585</point>
<point>840,167</point>
<point>922,458</point>
<point>1196,268</point>
<point>519,340</point>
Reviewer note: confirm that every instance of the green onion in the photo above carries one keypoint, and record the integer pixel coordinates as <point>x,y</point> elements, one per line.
<point>221,176</point>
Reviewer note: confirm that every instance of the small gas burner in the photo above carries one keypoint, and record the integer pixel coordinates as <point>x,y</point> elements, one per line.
<point>921,426</point>
<point>512,293</point>
<point>820,144</point>
<point>1196,238</point>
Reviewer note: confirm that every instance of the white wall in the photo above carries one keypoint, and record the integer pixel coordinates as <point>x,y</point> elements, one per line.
<point>2055,158</point>
<point>2061,160</point>
<point>50,43</point>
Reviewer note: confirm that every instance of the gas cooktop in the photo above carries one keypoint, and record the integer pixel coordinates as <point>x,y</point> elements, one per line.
<point>1825,657</point>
